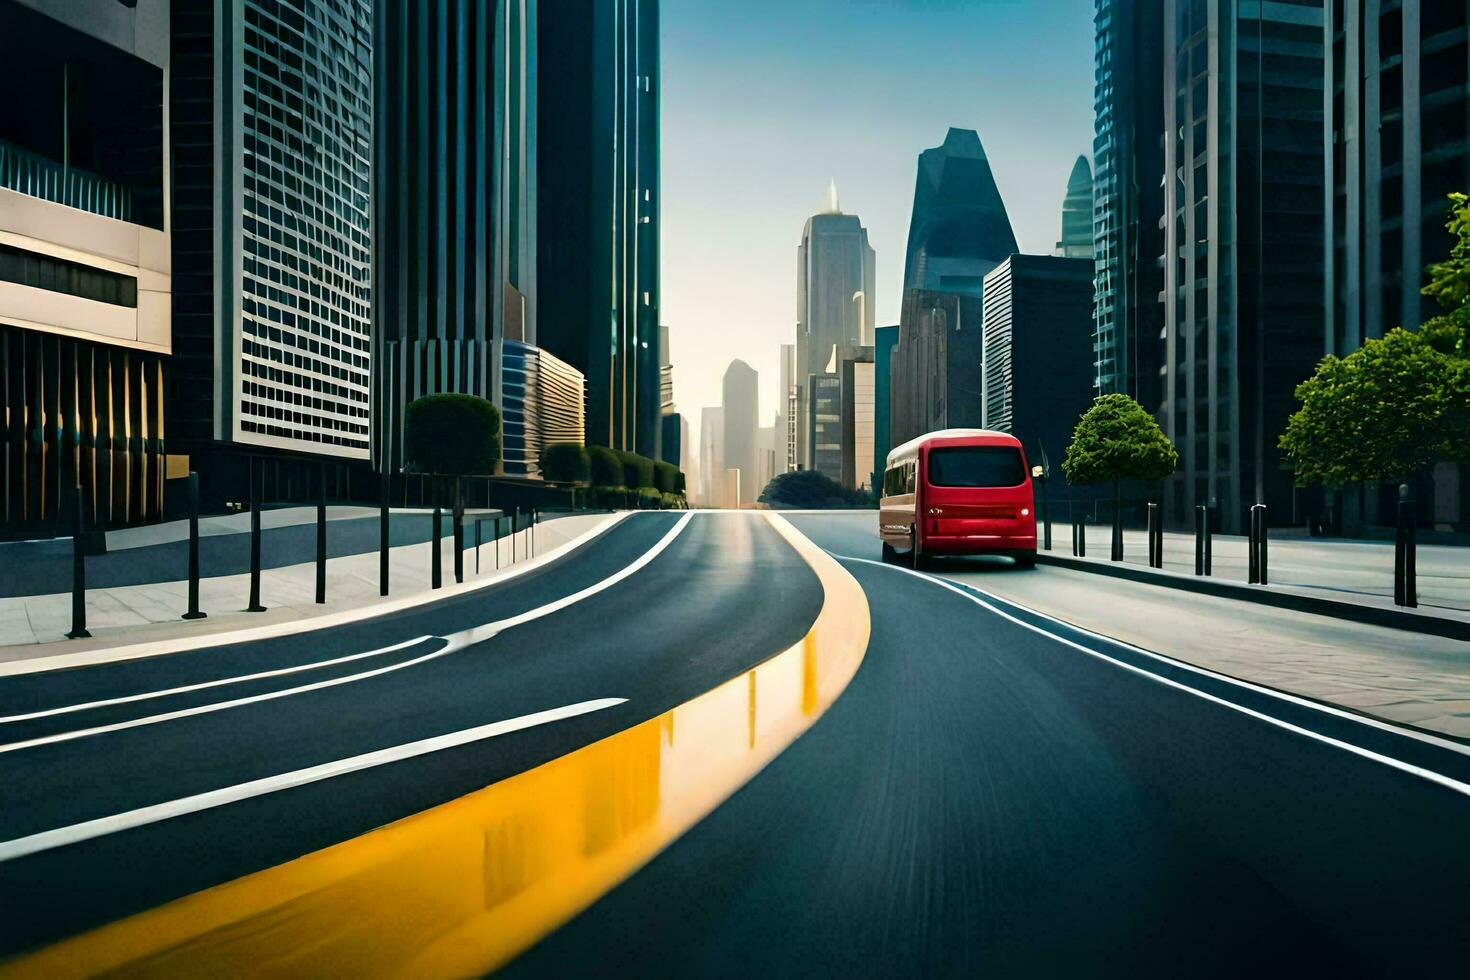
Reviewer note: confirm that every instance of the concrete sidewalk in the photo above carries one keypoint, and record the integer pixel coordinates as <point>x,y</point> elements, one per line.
<point>145,613</point>
<point>1334,567</point>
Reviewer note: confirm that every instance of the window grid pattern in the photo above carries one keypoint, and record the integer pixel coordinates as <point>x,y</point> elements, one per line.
<point>306,285</point>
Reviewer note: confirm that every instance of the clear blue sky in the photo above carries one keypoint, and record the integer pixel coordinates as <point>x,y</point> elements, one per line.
<point>764,100</point>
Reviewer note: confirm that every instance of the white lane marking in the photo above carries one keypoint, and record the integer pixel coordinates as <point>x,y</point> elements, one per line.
<point>156,648</point>
<point>88,829</point>
<point>237,679</point>
<point>1331,709</point>
<point>454,641</point>
<point>1428,774</point>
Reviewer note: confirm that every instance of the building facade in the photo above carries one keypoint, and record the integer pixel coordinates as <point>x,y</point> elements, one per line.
<point>741,419</point>
<point>1243,253</point>
<point>855,369</point>
<point>1128,199</point>
<point>272,131</point>
<point>598,206</point>
<point>1396,147</point>
<point>884,340</point>
<point>1038,352</point>
<point>824,424</point>
<point>711,457</point>
<point>455,216</point>
<point>1076,240</point>
<point>542,402</point>
<point>86,268</point>
<point>937,377</point>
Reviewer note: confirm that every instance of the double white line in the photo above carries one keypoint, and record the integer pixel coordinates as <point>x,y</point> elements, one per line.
<point>86,830</point>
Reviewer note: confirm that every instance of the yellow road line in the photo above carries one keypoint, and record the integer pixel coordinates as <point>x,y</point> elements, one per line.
<point>462,888</point>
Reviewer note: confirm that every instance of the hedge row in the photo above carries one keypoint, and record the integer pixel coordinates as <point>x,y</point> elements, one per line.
<point>566,462</point>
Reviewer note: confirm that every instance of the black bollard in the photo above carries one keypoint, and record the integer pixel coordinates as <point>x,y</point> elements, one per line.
<point>497,541</point>
<point>1199,539</point>
<point>477,546</point>
<point>458,522</point>
<point>1262,545</point>
<point>515,523</point>
<point>436,574</point>
<point>1155,559</point>
<point>254,605</point>
<point>78,576</point>
<point>383,535</point>
<point>194,612</point>
<point>535,516</point>
<point>1116,552</point>
<point>1405,577</point>
<point>321,533</point>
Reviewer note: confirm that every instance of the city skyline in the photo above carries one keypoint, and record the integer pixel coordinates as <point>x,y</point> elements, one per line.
<point>744,166</point>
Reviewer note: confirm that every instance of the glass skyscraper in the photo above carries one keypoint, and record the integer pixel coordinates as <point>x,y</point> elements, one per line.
<point>1243,258</point>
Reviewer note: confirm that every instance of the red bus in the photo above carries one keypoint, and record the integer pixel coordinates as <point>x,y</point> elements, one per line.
<point>958,492</point>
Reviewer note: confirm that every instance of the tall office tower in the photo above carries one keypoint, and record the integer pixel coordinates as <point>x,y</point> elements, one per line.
<point>1038,351</point>
<point>85,264</point>
<point>835,299</point>
<point>1128,198</point>
<point>855,376</point>
<point>937,377</point>
<point>1243,247</point>
<point>272,251</point>
<point>1076,240</point>
<point>741,419</point>
<point>884,340</point>
<point>712,457</point>
<point>788,416</point>
<point>598,210</point>
<point>1396,147</point>
<point>665,373</point>
<point>454,206</point>
<point>824,423</point>
<point>765,458</point>
<point>959,230</point>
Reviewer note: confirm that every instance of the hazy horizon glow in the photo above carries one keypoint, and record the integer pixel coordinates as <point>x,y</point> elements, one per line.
<point>765,102</point>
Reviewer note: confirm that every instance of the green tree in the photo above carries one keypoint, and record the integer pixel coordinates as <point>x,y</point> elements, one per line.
<point>1117,440</point>
<point>1386,412</point>
<point>565,462</point>
<point>1399,404</point>
<point>452,435</point>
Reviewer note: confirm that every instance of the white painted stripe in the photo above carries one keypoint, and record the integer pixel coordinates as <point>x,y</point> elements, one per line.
<point>135,651</point>
<point>86,830</point>
<point>454,641</point>
<point>1429,738</point>
<point>204,685</point>
<point>1428,774</point>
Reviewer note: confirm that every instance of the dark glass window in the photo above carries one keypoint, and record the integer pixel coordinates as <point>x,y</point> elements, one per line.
<point>60,276</point>
<point>976,466</point>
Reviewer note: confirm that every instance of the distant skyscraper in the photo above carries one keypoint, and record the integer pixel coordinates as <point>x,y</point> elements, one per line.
<point>959,230</point>
<point>1128,198</point>
<point>855,372</point>
<point>937,375</point>
<point>835,296</point>
<point>1038,351</point>
<point>1076,241</point>
<point>272,118</point>
<point>824,424</point>
<point>598,205</point>
<point>85,264</point>
<point>455,228</point>
<point>789,441</point>
<point>741,420</point>
<point>884,340</point>
<point>1243,304</point>
<point>711,457</point>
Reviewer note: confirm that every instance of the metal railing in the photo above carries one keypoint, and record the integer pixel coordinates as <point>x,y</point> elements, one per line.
<point>38,176</point>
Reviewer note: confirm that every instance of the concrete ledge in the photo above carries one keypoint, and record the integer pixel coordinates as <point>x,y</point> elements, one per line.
<point>1358,612</point>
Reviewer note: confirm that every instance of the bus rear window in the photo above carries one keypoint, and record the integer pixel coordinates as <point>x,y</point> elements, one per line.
<point>976,466</point>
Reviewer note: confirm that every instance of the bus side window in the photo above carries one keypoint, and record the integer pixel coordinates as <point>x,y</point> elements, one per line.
<point>911,472</point>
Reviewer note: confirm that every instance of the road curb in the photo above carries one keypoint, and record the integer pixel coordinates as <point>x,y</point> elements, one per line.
<point>1399,619</point>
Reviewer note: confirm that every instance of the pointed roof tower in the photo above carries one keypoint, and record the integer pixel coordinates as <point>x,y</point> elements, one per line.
<point>959,230</point>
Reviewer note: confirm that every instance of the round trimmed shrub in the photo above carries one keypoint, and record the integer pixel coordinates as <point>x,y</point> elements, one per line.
<point>604,467</point>
<point>565,462</point>
<point>666,476</point>
<point>452,435</point>
<point>637,470</point>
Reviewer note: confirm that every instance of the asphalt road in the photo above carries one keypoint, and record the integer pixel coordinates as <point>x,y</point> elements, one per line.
<point>989,798</point>
<point>993,793</point>
<point>725,594</point>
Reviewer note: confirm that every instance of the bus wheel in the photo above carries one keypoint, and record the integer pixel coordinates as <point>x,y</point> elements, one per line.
<point>890,556</point>
<point>1025,559</point>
